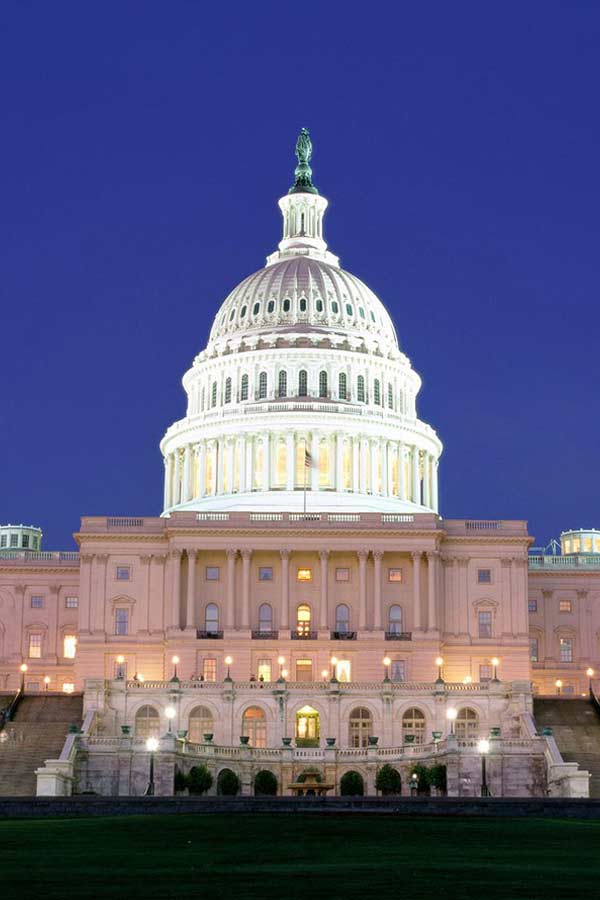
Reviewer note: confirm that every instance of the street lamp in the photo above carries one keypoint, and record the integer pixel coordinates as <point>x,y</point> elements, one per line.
<point>451,715</point>
<point>495,663</point>
<point>280,663</point>
<point>170,713</point>
<point>23,668</point>
<point>439,663</point>
<point>386,671</point>
<point>284,674</point>
<point>46,682</point>
<point>333,662</point>
<point>175,661</point>
<point>120,660</point>
<point>414,784</point>
<point>558,685</point>
<point>590,674</point>
<point>484,747</point>
<point>324,674</point>
<point>228,661</point>
<point>151,747</point>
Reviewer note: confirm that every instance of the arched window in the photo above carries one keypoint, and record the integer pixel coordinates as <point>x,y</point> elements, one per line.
<point>254,726</point>
<point>211,619</point>
<point>228,390</point>
<point>282,384</point>
<point>342,618</point>
<point>395,619</point>
<point>377,392</point>
<point>270,306</point>
<point>413,723</point>
<point>467,724</point>
<point>286,305</point>
<point>265,618</point>
<point>201,723</point>
<point>360,727</point>
<point>335,307</point>
<point>213,395</point>
<point>302,383</point>
<point>303,620</point>
<point>343,386</point>
<point>244,388</point>
<point>256,309</point>
<point>319,305</point>
<point>303,304</point>
<point>243,311</point>
<point>390,396</point>
<point>360,389</point>
<point>262,386</point>
<point>147,723</point>
<point>322,384</point>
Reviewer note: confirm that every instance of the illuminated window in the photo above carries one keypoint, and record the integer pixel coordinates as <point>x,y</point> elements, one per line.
<point>532,604</point>
<point>324,464</point>
<point>343,386</point>
<point>413,723</point>
<point>209,669</point>
<point>565,606</point>
<point>212,573</point>
<point>35,646</point>
<point>68,687</point>
<point>228,390</point>
<point>69,646</point>
<point>304,670</point>
<point>347,466</point>
<point>360,727</point>
<point>121,621</point>
<point>587,545</point>
<point>342,670</point>
<point>566,649</point>
<point>201,723</point>
<point>485,672</point>
<point>282,384</point>
<point>265,617</point>
<point>264,669</point>
<point>304,575</point>
<point>258,466</point>
<point>303,620</point>
<point>120,669</point>
<point>147,723</point>
<point>576,545</point>
<point>390,396</point>
<point>322,384</point>
<point>71,602</point>
<point>302,383</point>
<point>262,386</point>
<point>395,575</point>
<point>533,650</point>
<point>37,602</point>
<point>281,463</point>
<point>567,545</point>
<point>395,620</point>
<point>360,389</point>
<point>485,624</point>
<point>342,574</point>
<point>211,618</point>
<point>467,724</point>
<point>254,726</point>
<point>342,618</point>
<point>210,470</point>
<point>213,395</point>
<point>377,392</point>
<point>398,670</point>
<point>265,573</point>
<point>484,576</point>
<point>244,388</point>
<point>123,573</point>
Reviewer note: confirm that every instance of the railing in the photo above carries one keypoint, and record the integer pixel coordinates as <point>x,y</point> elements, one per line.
<point>572,561</point>
<point>56,557</point>
<point>7,714</point>
<point>304,635</point>
<point>484,525</point>
<point>343,635</point>
<point>265,635</point>
<point>398,635</point>
<point>124,522</point>
<point>396,687</point>
<point>212,517</point>
<point>209,635</point>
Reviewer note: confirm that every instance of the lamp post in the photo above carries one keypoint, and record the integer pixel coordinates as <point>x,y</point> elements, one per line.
<point>151,747</point>
<point>280,663</point>
<point>590,674</point>
<point>333,662</point>
<point>46,682</point>
<point>484,747</point>
<point>558,685</point>
<point>170,713</point>
<point>495,663</point>
<point>175,661</point>
<point>228,661</point>
<point>23,668</point>
<point>284,674</point>
<point>120,660</point>
<point>451,715</point>
<point>439,663</point>
<point>324,674</point>
<point>386,668</point>
<point>414,784</point>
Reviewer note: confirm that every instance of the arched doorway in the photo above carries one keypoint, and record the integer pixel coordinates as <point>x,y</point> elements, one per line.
<point>308,727</point>
<point>201,723</point>
<point>360,727</point>
<point>254,726</point>
<point>147,723</point>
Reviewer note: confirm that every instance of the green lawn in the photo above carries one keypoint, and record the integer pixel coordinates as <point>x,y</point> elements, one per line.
<point>304,855</point>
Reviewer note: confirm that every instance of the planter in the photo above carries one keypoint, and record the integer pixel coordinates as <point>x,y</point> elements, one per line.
<point>330,742</point>
<point>207,737</point>
<point>547,731</point>
<point>244,739</point>
<point>125,730</point>
<point>494,732</point>
<point>409,738</point>
<point>182,734</point>
<point>373,740</point>
<point>287,742</point>
<point>437,736</point>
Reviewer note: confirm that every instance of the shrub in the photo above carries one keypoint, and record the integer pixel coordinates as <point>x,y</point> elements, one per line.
<point>265,784</point>
<point>199,781</point>
<point>180,781</point>
<point>388,780</point>
<point>352,784</point>
<point>437,777</point>
<point>228,784</point>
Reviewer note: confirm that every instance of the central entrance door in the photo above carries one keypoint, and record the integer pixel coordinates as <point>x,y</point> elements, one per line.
<point>307,727</point>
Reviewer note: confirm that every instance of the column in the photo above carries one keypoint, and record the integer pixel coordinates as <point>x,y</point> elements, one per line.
<point>190,613</point>
<point>374,454</point>
<point>246,557</point>
<point>314,472</point>
<point>200,464</point>
<point>584,650</point>
<point>146,561</point>
<point>176,588</point>
<point>20,609</point>
<point>98,596</point>
<point>166,487</point>
<point>230,601</point>
<point>266,472</point>
<point>401,481</point>
<point>185,490</point>
<point>85,576</point>
<point>242,452</point>
<point>463,596</point>
<point>385,486</point>
<point>355,449</point>
<point>416,487</point>
<point>426,480</point>
<point>431,580</point>
<point>285,588</point>
<point>362,589</point>
<point>176,479</point>
<point>323,559</point>
<point>249,442</point>
<point>339,462</point>
<point>220,453</point>
<point>416,558</point>
<point>434,486</point>
<point>230,465</point>
<point>290,453</point>
<point>363,466</point>
<point>377,611</point>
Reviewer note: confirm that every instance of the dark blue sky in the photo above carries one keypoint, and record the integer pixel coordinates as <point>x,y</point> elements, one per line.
<point>144,146</point>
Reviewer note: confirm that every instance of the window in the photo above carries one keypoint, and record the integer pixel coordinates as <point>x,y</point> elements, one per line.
<point>264,670</point>
<point>360,389</point>
<point>398,670</point>
<point>209,669</point>
<point>565,606</point>
<point>120,669</point>
<point>244,388</point>
<point>335,307</point>
<point>322,384</point>
<point>254,726</point>
<point>395,619</point>
<point>265,617</point>
<point>71,602</point>
<point>485,672</point>
<point>14,540</point>
<point>212,573</point>
<point>349,310</point>
<point>286,305</point>
<point>3,540</point>
<point>25,541</point>
<point>395,575</point>
<point>213,395</point>
<point>413,723</point>
<point>123,573</point>
<point>361,312</point>
<point>360,727</point>
<point>319,305</point>
<point>302,383</point>
<point>37,602</point>
<point>282,384</point>
<point>69,646</point>
<point>68,687</point>
<point>304,670</point>
<point>303,304</point>
<point>228,390</point>
<point>304,575</point>
<point>271,306</point>
<point>342,618</point>
<point>485,624</point>
<point>201,723</point>
<point>532,604</point>
<point>342,670</point>
<point>303,620</point>
<point>121,621</point>
<point>533,650</point>
<point>211,618</point>
<point>35,646</point>
<point>265,573</point>
<point>566,649</point>
<point>390,396</point>
<point>147,723</point>
<point>262,386</point>
<point>342,574</point>
<point>377,392</point>
<point>467,724</point>
<point>343,386</point>
<point>33,686</point>
<point>256,309</point>
<point>484,576</point>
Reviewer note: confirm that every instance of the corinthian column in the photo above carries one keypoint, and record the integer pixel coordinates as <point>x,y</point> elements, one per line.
<point>431,579</point>
<point>246,557</point>
<point>190,612</point>
<point>377,611</point>
<point>230,603</point>
<point>323,558</point>
<point>285,588</point>
<point>416,558</point>
<point>176,588</point>
<point>362,589</point>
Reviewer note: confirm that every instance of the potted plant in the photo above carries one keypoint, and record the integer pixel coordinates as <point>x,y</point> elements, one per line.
<point>409,738</point>
<point>125,730</point>
<point>287,741</point>
<point>373,740</point>
<point>330,742</point>
<point>182,734</point>
<point>244,739</point>
<point>208,737</point>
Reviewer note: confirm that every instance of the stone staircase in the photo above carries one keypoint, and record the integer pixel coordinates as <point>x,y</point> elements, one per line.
<point>36,734</point>
<point>576,727</point>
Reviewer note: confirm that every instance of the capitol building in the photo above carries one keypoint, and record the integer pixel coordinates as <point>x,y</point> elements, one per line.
<point>300,605</point>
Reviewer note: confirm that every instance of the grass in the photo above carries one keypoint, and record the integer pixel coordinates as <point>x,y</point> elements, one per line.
<point>304,855</point>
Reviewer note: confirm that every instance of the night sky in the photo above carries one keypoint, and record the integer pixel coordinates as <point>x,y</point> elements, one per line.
<point>144,147</point>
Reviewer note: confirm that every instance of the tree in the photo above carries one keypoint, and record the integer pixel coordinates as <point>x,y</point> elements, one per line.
<point>437,777</point>
<point>423,778</point>
<point>199,781</point>
<point>352,784</point>
<point>228,784</point>
<point>180,781</point>
<point>265,784</point>
<point>388,780</point>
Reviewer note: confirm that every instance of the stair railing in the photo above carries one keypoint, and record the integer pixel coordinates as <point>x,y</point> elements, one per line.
<point>594,697</point>
<point>7,714</point>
